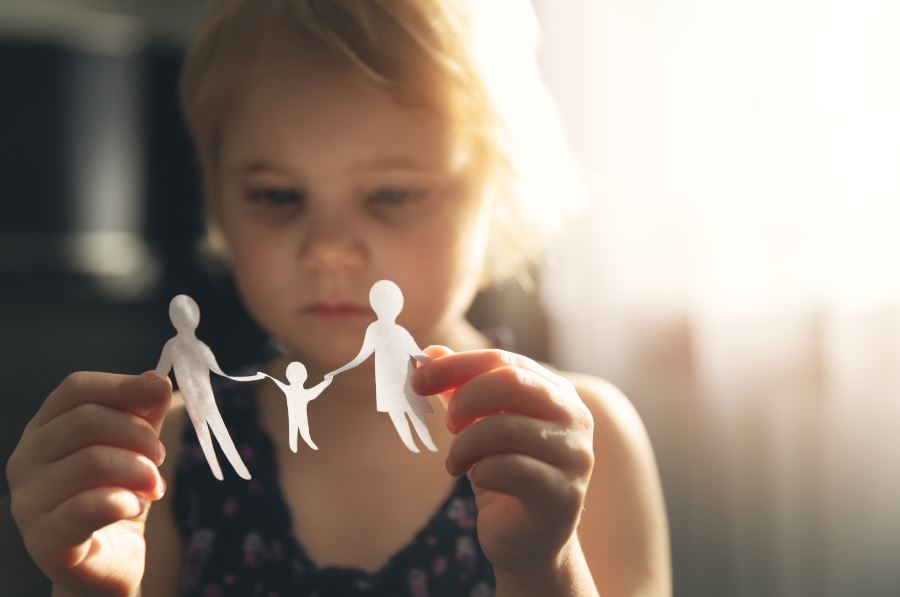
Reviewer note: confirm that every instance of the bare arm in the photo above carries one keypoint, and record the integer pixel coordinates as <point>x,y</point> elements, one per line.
<point>623,530</point>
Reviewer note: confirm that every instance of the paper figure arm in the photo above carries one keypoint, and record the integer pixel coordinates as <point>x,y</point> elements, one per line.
<point>320,387</point>
<point>367,349</point>
<point>209,359</point>
<point>256,377</point>
<point>278,382</point>
<point>165,360</point>
<point>413,349</point>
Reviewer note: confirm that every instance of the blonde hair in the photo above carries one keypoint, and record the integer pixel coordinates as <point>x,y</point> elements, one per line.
<point>472,62</point>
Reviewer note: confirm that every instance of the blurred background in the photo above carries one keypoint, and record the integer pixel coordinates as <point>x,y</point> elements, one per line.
<point>735,271</point>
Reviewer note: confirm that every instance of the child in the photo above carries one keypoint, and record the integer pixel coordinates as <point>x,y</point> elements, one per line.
<point>344,142</point>
<point>298,399</point>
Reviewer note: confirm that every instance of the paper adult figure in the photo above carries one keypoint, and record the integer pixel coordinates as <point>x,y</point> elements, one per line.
<point>192,361</point>
<point>298,399</point>
<point>393,346</point>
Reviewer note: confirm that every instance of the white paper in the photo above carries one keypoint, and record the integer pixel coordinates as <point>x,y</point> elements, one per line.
<point>192,362</point>
<point>394,349</point>
<point>298,399</point>
<point>392,345</point>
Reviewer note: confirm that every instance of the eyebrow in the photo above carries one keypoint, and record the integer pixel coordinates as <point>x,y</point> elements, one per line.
<point>389,162</point>
<point>257,166</point>
<point>384,162</point>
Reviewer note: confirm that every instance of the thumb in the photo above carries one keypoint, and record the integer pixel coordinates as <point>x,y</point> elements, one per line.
<point>435,351</point>
<point>161,388</point>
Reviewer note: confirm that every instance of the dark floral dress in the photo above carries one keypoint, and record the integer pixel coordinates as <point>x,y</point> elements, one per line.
<point>238,537</point>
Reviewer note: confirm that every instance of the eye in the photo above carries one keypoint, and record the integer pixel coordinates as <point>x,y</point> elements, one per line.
<point>394,196</point>
<point>276,197</point>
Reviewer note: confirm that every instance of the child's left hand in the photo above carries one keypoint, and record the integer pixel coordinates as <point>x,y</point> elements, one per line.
<point>526,440</point>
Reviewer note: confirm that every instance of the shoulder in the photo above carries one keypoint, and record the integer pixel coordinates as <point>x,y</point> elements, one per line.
<point>623,530</point>
<point>615,418</point>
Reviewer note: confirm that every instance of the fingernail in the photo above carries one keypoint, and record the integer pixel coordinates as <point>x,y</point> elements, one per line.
<point>143,506</point>
<point>472,471</point>
<point>419,380</point>
<point>448,422</point>
<point>161,487</point>
<point>161,384</point>
<point>160,453</point>
<point>134,507</point>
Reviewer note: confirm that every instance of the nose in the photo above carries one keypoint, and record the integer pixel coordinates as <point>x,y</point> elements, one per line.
<point>331,241</point>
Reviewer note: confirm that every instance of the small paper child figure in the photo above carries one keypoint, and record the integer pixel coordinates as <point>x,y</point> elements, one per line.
<point>393,346</point>
<point>298,399</point>
<point>192,360</point>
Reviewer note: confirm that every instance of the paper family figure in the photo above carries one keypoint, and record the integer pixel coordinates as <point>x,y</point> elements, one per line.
<point>192,362</point>
<point>393,346</point>
<point>298,399</point>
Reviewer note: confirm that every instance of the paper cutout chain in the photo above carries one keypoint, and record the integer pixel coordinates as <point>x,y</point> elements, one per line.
<point>393,347</point>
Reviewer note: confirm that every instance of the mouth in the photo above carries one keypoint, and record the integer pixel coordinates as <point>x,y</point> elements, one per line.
<point>338,310</point>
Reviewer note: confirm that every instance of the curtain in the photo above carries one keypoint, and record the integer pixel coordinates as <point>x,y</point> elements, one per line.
<point>737,273</point>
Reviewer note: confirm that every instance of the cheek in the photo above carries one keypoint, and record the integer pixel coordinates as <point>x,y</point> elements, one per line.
<point>465,244</point>
<point>259,264</point>
<point>443,272</point>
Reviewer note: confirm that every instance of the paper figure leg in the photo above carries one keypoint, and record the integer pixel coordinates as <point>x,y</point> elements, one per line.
<point>292,426</point>
<point>304,433</point>
<point>422,431</point>
<point>206,445</point>
<point>221,432</point>
<point>298,420</point>
<point>304,428</point>
<point>398,418</point>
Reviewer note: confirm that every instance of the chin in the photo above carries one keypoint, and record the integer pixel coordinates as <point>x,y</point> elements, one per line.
<point>326,352</point>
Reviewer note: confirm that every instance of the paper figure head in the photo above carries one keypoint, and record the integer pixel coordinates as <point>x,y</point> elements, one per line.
<point>386,299</point>
<point>184,313</point>
<point>296,373</point>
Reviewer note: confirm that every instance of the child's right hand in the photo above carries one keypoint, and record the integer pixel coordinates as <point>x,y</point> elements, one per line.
<point>82,476</point>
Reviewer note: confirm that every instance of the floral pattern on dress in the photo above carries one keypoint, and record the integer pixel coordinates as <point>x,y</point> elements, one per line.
<point>239,541</point>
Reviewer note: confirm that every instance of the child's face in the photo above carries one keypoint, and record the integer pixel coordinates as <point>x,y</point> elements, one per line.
<point>327,185</point>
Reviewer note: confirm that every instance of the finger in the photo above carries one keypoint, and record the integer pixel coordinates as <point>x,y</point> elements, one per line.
<point>544,490</point>
<point>510,389</point>
<point>435,351</point>
<point>145,395</point>
<point>91,467</point>
<point>95,424</point>
<point>560,447</point>
<point>453,370</point>
<point>61,540</point>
